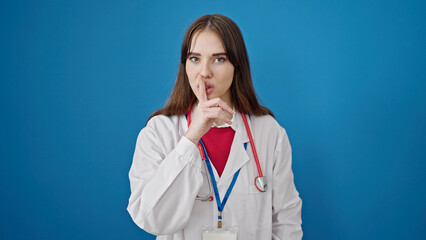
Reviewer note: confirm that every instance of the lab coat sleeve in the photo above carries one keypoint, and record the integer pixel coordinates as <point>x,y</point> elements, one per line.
<point>163,184</point>
<point>287,205</point>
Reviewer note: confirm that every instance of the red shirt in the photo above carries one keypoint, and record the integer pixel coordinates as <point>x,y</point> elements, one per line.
<point>218,143</point>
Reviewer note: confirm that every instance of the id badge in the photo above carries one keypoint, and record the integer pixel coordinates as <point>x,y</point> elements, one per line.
<point>224,233</point>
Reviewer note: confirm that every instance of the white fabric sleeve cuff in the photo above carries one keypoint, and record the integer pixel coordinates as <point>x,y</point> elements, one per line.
<point>188,150</point>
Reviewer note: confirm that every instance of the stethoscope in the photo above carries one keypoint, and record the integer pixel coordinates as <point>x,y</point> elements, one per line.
<point>260,181</point>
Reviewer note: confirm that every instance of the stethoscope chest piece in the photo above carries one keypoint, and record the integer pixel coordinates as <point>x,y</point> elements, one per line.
<point>261,183</point>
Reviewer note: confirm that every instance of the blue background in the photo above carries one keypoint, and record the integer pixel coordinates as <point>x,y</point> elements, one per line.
<point>347,79</point>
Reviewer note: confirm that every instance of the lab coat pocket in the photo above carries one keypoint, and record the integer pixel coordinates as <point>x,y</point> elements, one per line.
<point>258,210</point>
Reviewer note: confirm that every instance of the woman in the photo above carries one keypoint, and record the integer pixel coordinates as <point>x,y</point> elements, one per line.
<point>214,95</point>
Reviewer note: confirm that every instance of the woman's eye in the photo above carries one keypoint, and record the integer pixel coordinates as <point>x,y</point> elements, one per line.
<point>220,59</point>
<point>193,59</point>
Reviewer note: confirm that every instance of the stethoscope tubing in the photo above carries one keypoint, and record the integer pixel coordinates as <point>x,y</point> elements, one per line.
<point>256,158</point>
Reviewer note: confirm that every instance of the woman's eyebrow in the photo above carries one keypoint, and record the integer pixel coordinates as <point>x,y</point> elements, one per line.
<point>214,54</point>
<point>194,53</point>
<point>218,54</point>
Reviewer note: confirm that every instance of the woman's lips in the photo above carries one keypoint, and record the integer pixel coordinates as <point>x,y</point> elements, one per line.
<point>209,90</point>
<point>209,87</point>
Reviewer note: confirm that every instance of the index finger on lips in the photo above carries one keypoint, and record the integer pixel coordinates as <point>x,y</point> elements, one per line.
<point>202,91</point>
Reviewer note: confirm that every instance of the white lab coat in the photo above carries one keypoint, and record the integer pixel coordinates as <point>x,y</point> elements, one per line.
<point>167,173</point>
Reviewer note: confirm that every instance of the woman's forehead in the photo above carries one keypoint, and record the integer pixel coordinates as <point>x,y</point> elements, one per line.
<point>206,42</point>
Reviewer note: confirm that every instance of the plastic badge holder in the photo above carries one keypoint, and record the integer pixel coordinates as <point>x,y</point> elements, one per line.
<point>225,233</point>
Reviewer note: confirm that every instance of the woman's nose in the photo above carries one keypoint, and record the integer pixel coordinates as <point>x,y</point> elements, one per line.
<point>205,70</point>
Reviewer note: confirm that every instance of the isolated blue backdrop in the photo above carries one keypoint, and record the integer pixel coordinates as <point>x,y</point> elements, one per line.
<point>347,79</point>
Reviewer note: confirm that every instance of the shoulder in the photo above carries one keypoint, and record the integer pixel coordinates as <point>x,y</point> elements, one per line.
<point>163,127</point>
<point>268,129</point>
<point>267,123</point>
<point>162,121</point>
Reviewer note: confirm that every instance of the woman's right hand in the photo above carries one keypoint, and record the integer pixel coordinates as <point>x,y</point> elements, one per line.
<point>207,112</point>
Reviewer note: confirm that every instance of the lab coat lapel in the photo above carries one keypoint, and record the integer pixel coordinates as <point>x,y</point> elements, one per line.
<point>238,155</point>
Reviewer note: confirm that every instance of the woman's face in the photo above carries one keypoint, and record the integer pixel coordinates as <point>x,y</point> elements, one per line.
<point>208,62</point>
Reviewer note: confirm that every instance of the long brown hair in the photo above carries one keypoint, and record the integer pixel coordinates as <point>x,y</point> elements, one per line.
<point>243,95</point>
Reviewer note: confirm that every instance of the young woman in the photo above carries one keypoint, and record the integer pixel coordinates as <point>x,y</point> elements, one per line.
<point>214,103</point>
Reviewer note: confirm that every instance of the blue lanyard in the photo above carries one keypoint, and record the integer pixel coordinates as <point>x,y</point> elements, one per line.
<point>220,205</point>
